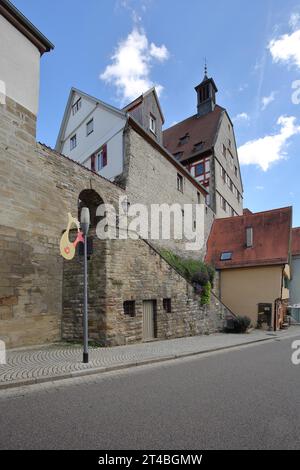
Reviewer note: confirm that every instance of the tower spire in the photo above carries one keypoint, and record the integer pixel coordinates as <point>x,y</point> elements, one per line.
<point>205,68</point>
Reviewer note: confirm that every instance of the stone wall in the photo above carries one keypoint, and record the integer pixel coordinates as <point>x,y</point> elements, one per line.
<point>38,187</point>
<point>40,294</point>
<point>149,178</point>
<point>121,270</point>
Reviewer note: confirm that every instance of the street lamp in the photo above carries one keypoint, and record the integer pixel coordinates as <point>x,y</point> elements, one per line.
<point>84,224</point>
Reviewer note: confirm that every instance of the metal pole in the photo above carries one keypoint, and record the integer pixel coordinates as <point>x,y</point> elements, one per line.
<point>85,311</point>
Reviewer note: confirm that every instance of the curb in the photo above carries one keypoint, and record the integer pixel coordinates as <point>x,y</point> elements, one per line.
<point>126,365</point>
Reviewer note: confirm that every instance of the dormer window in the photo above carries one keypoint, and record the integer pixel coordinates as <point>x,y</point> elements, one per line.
<point>226,256</point>
<point>249,237</point>
<point>184,139</point>
<point>198,146</point>
<point>152,124</point>
<point>178,155</point>
<point>76,106</point>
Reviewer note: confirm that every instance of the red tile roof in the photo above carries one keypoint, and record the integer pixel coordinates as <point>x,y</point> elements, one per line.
<point>296,241</point>
<point>200,129</point>
<point>271,239</point>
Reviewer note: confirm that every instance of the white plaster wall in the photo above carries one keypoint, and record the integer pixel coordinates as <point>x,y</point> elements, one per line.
<point>108,129</point>
<point>226,132</point>
<point>19,67</point>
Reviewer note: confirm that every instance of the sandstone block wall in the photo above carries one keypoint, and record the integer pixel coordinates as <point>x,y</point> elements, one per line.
<point>38,187</point>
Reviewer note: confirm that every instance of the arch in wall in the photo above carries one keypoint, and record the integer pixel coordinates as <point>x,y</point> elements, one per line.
<point>91,199</point>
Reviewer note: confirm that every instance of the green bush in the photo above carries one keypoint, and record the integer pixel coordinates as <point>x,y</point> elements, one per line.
<point>189,268</point>
<point>239,324</point>
<point>205,295</point>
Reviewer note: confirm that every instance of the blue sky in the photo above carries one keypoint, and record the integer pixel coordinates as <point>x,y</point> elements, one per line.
<point>253,54</point>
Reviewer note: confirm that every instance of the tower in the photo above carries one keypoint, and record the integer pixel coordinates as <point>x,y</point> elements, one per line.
<point>206,95</point>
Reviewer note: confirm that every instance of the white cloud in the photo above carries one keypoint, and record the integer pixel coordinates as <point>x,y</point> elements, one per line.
<point>266,100</point>
<point>271,148</point>
<point>243,87</point>
<point>241,117</point>
<point>294,20</point>
<point>131,64</point>
<point>286,48</point>
<point>259,188</point>
<point>160,53</point>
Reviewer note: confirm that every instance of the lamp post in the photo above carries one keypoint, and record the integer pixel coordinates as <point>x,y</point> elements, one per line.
<point>84,224</point>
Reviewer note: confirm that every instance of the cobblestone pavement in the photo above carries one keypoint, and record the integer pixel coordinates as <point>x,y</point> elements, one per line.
<point>64,360</point>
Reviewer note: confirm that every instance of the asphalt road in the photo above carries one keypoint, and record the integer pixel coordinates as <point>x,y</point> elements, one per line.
<point>246,398</point>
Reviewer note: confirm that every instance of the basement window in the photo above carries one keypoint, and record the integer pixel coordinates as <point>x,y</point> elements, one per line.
<point>226,255</point>
<point>129,308</point>
<point>167,305</point>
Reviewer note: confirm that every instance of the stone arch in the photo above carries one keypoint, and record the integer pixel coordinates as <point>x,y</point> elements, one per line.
<point>91,199</point>
<point>73,280</point>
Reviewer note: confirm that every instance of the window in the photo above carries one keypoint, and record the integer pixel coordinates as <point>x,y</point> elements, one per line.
<point>235,171</point>
<point>198,146</point>
<point>76,106</point>
<point>229,143</point>
<point>101,158</point>
<point>152,124</point>
<point>180,182</point>
<point>232,212</point>
<point>207,199</point>
<point>224,151</point>
<point>249,237</point>
<point>90,127</point>
<point>198,198</point>
<point>223,174</point>
<point>178,155</point>
<point>230,185</point>
<point>199,169</point>
<point>223,203</point>
<point>226,255</point>
<point>129,308</point>
<point>167,305</point>
<point>202,170</point>
<point>238,196</point>
<point>183,140</point>
<point>73,142</point>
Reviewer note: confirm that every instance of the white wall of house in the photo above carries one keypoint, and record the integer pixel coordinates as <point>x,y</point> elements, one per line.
<point>107,129</point>
<point>228,162</point>
<point>19,67</point>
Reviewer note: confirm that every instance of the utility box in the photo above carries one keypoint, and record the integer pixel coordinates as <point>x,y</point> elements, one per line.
<point>264,314</point>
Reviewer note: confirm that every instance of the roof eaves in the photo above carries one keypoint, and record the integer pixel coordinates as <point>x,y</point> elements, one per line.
<point>17,19</point>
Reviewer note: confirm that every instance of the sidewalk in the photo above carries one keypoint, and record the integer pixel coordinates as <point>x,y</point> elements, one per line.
<point>61,360</point>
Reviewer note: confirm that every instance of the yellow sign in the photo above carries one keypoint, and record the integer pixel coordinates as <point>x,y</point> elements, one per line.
<point>68,248</point>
